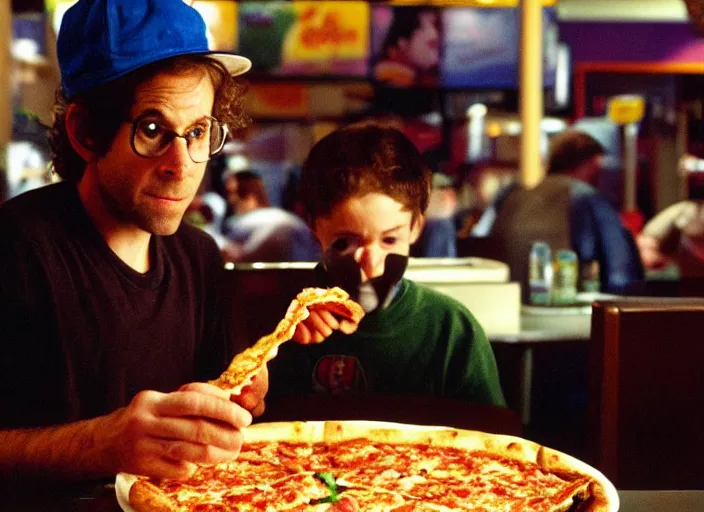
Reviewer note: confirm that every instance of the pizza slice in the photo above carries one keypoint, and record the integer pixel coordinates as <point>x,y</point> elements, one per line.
<point>248,363</point>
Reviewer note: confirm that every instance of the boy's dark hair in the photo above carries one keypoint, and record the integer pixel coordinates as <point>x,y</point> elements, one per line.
<point>362,159</point>
<point>249,183</point>
<point>106,107</point>
<point>570,149</point>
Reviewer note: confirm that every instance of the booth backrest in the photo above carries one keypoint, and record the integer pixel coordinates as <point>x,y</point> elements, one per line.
<point>261,297</point>
<point>646,392</point>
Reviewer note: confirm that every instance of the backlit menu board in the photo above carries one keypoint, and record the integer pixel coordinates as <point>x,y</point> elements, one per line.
<point>305,38</point>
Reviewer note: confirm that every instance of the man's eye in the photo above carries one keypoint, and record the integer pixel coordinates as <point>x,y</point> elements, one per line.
<point>197,132</point>
<point>390,240</point>
<point>150,129</point>
<point>341,244</point>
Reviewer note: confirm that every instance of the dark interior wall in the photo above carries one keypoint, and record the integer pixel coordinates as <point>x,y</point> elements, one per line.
<point>19,6</point>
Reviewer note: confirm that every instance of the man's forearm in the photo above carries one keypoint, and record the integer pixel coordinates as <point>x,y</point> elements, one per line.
<point>73,451</point>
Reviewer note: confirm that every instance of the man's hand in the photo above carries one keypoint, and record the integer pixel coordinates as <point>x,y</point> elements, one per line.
<point>320,324</point>
<point>166,435</point>
<point>650,253</point>
<point>252,396</point>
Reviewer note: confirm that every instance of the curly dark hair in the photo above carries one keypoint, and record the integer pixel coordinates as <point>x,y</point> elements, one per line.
<point>361,159</point>
<point>106,106</point>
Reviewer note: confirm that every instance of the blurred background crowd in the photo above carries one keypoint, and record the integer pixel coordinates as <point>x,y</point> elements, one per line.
<point>622,124</point>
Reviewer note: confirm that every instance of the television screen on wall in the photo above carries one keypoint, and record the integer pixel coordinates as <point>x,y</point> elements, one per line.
<point>481,47</point>
<point>405,45</point>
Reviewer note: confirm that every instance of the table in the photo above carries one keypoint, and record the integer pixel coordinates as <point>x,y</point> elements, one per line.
<point>541,325</point>
<point>666,501</point>
<point>100,497</point>
<point>83,497</point>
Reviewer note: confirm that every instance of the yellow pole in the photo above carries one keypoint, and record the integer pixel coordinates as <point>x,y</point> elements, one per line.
<point>5,92</point>
<point>531,92</point>
<point>5,66</point>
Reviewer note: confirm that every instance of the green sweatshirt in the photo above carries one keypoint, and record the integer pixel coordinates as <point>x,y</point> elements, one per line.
<point>423,343</point>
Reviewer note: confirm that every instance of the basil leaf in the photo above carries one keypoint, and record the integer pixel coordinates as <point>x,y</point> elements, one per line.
<point>329,480</point>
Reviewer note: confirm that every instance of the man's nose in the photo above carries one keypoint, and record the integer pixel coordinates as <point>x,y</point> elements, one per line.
<point>177,160</point>
<point>371,261</point>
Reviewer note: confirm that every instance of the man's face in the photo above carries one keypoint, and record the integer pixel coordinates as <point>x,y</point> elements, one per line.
<point>369,227</point>
<point>422,48</point>
<point>152,194</point>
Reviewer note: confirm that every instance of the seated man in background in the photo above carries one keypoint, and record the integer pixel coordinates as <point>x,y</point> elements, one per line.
<point>260,232</point>
<point>364,190</point>
<point>566,211</point>
<point>438,238</point>
<point>675,236</point>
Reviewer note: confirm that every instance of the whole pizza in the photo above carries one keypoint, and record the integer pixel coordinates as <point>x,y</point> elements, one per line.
<point>368,466</point>
<point>377,466</point>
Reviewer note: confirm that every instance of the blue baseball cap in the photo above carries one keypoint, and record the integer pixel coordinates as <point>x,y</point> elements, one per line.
<point>101,40</point>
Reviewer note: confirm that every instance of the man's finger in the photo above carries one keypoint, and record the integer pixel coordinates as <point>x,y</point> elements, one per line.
<point>161,467</point>
<point>195,452</point>
<point>193,403</point>
<point>207,389</point>
<point>198,430</point>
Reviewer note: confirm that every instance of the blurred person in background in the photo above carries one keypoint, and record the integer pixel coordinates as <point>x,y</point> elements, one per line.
<point>259,231</point>
<point>566,211</point>
<point>438,238</point>
<point>207,212</point>
<point>675,236</point>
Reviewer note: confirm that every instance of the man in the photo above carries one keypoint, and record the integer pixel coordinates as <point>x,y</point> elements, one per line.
<point>261,232</point>
<point>109,304</point>
<point>566,211</point>
<point>438,238</point>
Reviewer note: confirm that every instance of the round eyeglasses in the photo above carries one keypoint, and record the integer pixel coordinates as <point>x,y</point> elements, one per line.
<point>204,138</point>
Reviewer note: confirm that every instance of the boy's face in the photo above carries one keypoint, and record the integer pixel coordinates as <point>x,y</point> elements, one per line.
<point>369,227</point>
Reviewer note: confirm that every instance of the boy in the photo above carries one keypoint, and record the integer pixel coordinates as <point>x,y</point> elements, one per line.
<point>364,190</point>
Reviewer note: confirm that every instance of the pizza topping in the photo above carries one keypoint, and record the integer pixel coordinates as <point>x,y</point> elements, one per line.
<point>345,504</point>
<point>370,476</point>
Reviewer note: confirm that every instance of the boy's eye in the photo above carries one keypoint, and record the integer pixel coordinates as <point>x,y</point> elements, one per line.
<point>390,240</point>
<point>341,244</point>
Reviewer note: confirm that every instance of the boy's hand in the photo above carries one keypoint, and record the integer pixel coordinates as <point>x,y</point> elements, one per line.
<point>320,324</point>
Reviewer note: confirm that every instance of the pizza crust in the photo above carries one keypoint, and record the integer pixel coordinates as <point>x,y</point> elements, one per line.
<point>146,497</point>
<point>249,362</point>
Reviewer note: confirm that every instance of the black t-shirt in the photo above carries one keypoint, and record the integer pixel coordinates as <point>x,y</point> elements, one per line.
<point>81,332</point>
